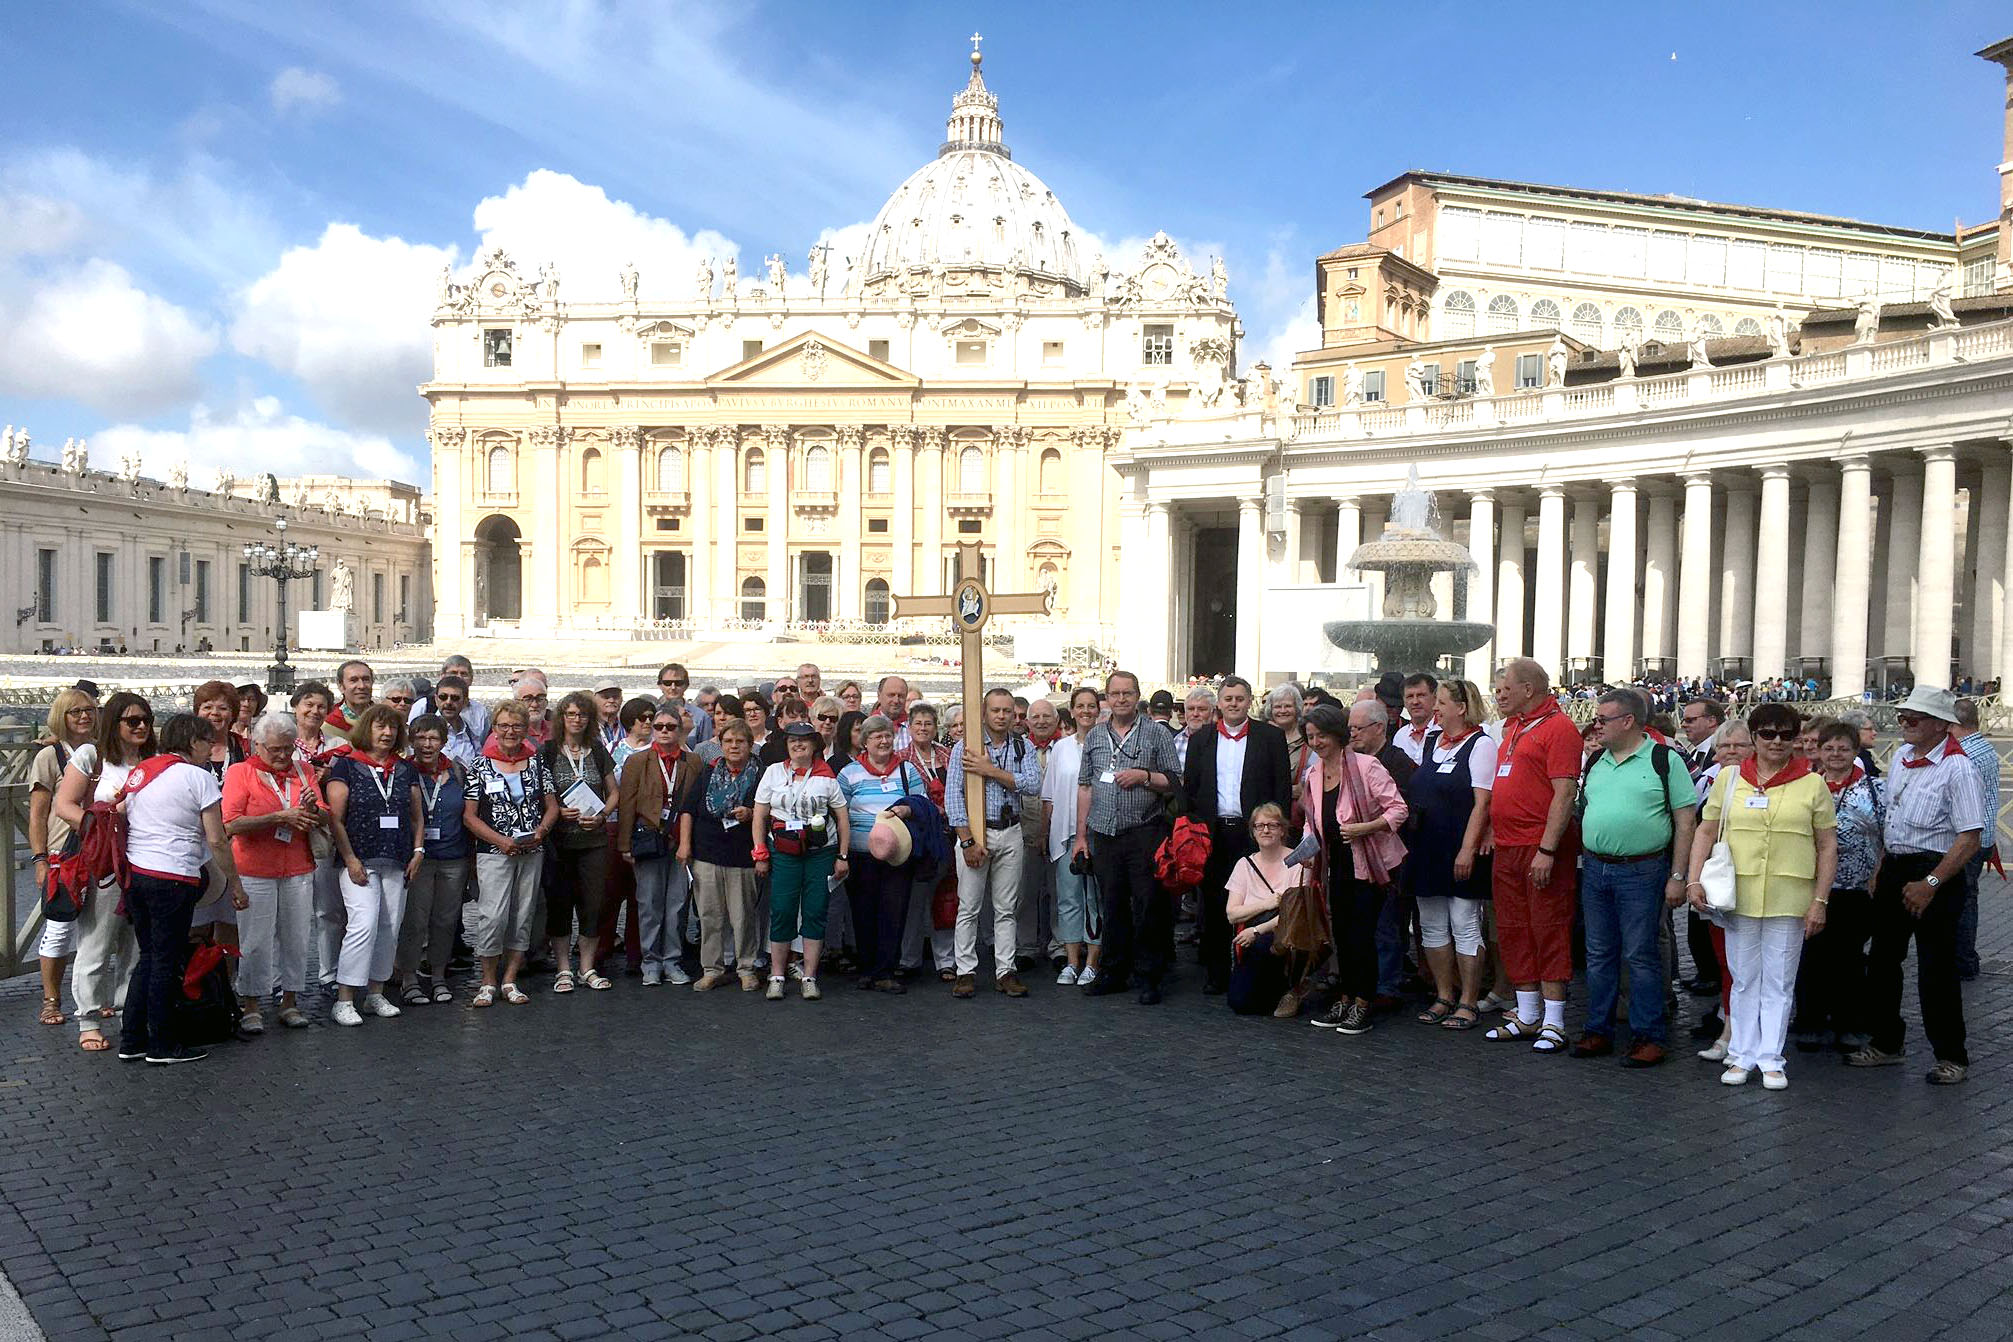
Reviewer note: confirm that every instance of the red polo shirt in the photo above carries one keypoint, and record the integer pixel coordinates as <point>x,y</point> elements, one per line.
<point>1538,748</point>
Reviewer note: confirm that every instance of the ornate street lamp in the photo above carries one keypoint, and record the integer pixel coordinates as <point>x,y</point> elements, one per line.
<point>283,561</point>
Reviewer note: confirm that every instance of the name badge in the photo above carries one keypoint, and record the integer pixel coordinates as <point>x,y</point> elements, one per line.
<point>495,787</point>
<point>1448,767</point>
<point>1758,803</point>
<point>283,834</point>
<point>1502,771</point>
<point>730,823</point>
<point>387,822</point>
<point>433,833</point>
<point>664,816</point>
<point>794,826</point>
<point>1108,776</point>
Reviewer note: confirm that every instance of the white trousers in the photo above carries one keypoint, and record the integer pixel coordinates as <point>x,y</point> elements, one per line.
<point>1761,954</point>
<point>106,951</point>
<point>1444,918</point>
<point>373,912</point>
<point>273,934</point>
<point>997,876</point>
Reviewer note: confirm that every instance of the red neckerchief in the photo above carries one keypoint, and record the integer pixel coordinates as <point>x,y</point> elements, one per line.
<point>388,768</point>
<point>1419,729</point>
<point>492,751</point>
<point>1950,747</point>
<point>1447,739</point>
<point>441,762</point>
<point>1223,730</point>
<point>1039,744</point>
<point>818,769</point>
<point>1750,772</point>
<point>340,719</point>
<point>1858,772</point>
<point>261,762</point>
<point>894,763</point>
<point>1524,722</point>
<point>669,758</point>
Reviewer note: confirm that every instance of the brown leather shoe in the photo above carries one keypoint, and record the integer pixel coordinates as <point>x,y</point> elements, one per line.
<point>1010,984</point>
<point>1644,1055</point>
<point>1289,1004</point>
<point>966,985</point>
<point>1593,1046</point>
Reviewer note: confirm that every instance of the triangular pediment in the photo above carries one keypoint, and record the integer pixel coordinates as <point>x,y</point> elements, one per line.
<point>812,360</point>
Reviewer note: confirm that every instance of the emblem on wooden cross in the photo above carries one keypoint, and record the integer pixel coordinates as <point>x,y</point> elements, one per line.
<point>969,605</point>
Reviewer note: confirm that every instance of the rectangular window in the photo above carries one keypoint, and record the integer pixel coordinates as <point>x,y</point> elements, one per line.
<point>971,352</point>
<point>105,562</point>
<point>244,594</point>
<point>1743,265</point>
<point>1586,248</point>
<point>1322,392</point>
<point>157,590</point>
<point>1545,243</point>
<point>1530,370</point>
<point>1503,239</point>
<point>1667,257</point>
<point>1785,268</point>
<point>1051,354</point>
<point>377,598</point>
<point>45,586</point>
<point>496,347</point>
<point>405,598</point>
<point>750,348</point>
<point>202,601</point>
<point>315,590</point>
<point>878,349</point>
<point>1464,377</point>
<point>1628,252</point>
<point>1429,379</point>
<point>671,353</point>
<point>1156,345</point>
<point>1705,262</point>
<point>877,525</point>
<point>968,526</point>
<point>1373,385</point>
<point>590,356</point>
<point>751,524</point>
<point>667,524</point>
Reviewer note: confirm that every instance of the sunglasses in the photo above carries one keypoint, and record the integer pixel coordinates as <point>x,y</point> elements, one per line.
<point>135,720</point>
<point>665,726</point>
<point>399,701</point>
<point>673,684</point>
<point>1909,719</point>
<point>828,717</point>
<point>1775,733</point>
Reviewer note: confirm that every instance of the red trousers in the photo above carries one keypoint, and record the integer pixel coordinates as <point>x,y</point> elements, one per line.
<point>1534,928</point>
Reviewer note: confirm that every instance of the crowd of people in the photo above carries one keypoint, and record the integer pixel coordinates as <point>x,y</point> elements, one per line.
<point>1326,858</point>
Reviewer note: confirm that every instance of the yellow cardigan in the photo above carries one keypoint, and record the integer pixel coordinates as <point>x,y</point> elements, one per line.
<point>1774,848</point>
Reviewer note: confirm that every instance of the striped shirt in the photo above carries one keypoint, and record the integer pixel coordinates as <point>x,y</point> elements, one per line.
<point>1114,809</point>
<point>1015,756</point>
<point>1986,759</point>
<point>1929,805</point>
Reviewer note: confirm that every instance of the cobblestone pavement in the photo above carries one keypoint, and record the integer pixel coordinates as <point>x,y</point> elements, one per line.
<point>652,1163</point>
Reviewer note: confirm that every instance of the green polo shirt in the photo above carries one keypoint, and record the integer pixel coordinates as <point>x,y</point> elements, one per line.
<point>1624,815</point>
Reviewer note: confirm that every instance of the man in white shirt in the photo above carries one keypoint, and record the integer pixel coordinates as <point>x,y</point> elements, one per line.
<point>1420,691</point>
<point>1935,816</point>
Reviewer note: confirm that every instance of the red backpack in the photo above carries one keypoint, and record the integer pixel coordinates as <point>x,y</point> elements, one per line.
<point>96,852</point>
<point>1178,863</point>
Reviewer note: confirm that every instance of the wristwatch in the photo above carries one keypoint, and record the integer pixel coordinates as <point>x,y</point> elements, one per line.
<point>1931,880</point>
<point>968,843</point>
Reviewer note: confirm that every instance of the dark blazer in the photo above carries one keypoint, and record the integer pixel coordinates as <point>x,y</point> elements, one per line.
<point>1268,774</point>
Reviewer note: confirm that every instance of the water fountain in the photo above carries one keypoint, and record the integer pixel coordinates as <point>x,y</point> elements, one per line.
<point>1411,636</point>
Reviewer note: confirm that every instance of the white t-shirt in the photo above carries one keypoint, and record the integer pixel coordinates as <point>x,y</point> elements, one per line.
<point>1058,789</point>
<point>796,802</point>
<point>1414,743</point>
<point>164,821</point>
<point>1481,760</point>
<point>109,782</point>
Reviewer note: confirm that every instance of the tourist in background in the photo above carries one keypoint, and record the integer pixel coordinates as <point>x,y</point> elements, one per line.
<point>634,721</point>
<point>1034,918</point>
<point>1076,907</point>
<point>1198,714</point>
<point>849,695</point>
<point>1421,699</point>
<point>803,841</point>
<point>608,714</point>
<point>1777,818</point>
<point>272,804</point>
<point>924,937</point>
<point>726,708</point>
<point>216,702</point>
<point>510,810</point>
<point>466,731</point>
<point>1351,802</point>
<point>721,806</point>
<point>1972,741</point>
<point>433,899</point>
<point>655,839</point>
<point>1831,984</point>
<point>1448,859</point>
<point>379,811</point>
<point>755,712</point>
<point>104,939</point>
<point>73,724</point>
<point>576,857</point>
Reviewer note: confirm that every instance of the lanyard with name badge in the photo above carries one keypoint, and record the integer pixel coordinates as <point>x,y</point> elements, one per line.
<point>1510,740</point>
<point>389,820</point>
<point>281,832</point>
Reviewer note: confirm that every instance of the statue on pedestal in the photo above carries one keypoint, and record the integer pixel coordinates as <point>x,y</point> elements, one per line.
<point>703,285</point>
<point>1625,357</point>
<point>1866,321</point>
<point>1941,315</point>
<point>779,274</point>
<point>1352,384</point>
<point>627,278</point>
<point>1485,371</point>
<point>730,272</point>
<point>1219,278</point>
<point>178,477</point>
<point>1555,362</point>
<point>1695,343</point>
<point>1415,379</point>
<point>1776,327</point>
<point>76,457</point>
<point>342,585</point>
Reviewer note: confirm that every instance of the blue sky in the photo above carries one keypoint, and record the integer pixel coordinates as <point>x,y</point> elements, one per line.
<point>220,222</point>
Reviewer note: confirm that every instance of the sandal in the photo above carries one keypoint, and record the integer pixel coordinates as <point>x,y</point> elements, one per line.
<point>1434,1014</point>
<point>562,982</point>
<point>52,1012</point>
<point>1551,1039</point>
<point>1512,1027</point>
<point>484,996</point>
<point>1456,1021</point>
<point>108,1013</point>
<point>947,975</point>
<point>442,993</point>
<point>91,1041</point>
<point>514,995</point>
<point>414,995</point>
<point>596,980</point>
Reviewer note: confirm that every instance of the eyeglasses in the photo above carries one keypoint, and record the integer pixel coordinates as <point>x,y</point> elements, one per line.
<point>87,711</point>
<point>1909,719</point>
<point>828,717</point>
<point>134,720</point>
<point>399,701</point>
<point>1774,733</point>
<point>665,726</point>
<point>1257,825</point>
<point>673,684</point>
<point>1612,718</point>
<point>532,698</point>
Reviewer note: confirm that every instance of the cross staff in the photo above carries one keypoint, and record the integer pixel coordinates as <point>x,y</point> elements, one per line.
<point>969,605</point>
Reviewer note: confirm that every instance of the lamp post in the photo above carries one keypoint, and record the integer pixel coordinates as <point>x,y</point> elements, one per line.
<point>283,561</point>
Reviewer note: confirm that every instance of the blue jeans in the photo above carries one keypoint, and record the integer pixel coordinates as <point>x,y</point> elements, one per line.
<point>1393,920</point>
<point>1622,905</point>
<point>662,889</point>
<point>1967,917</point>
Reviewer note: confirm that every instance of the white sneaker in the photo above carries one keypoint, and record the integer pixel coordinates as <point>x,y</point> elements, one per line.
<point>676,977</point>
<point>379,1005</point>
<point>1087,977</point>
<point>652,976</point>
<point>346,1014</point>
<point>1067,978</point>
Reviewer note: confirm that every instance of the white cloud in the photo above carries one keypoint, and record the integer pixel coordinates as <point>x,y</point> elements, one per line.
<point>256,438</point>
<point>554,217</point>
<point>307,91</point>
<point>38,225</point>
<point>349,318</point>
<point>89,334</point>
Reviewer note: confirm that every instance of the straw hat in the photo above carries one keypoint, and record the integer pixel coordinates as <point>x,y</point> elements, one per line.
<point>889,841</point>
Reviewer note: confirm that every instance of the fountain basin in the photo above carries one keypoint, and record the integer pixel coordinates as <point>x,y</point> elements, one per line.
<point>1407,645</point>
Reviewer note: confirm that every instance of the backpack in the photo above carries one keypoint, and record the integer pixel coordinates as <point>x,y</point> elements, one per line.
<point>1178,863</point>
<point>96,852</point>
<point>207,1010</point>
<point>1661,756</point>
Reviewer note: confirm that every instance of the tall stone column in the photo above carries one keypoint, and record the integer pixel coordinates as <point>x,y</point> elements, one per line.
<point>1287,570</point>
<point>727,478</point>
<point>699,580</point>
<point>1902,552</point>
<point>1936,590</point>
<point>2004,519</point>
<point>1618,644</point>
<point>1548,584</point>
<point>1481,663</point>
<point>451,594</point>
<point>902,528</point>
<point>1583,594</point>
<point>1136,618</point>
<point>1660,575</point>
<point>1348,534</point>
<point>776,467</point>
<point>1250,584</point>
<point>1820,556</point>
<point>627,501</point>
<point>1851,576</point>
<point>1153,645</point>
<point>1695,578</point>
<point>1988,566</point>
<point>849,584</point>
<point>1009,552</point>
<point>1510,585</point>
<point>545,575</point>
<point>1771,575</point>
<point>1736,609</point>
<point>929,575</point>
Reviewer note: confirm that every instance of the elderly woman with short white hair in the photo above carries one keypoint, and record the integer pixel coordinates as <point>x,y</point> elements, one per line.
<point>271,803</point>
<point>1284,709</point>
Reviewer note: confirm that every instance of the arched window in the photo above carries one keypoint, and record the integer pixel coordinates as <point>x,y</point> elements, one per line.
<point>879,474</point>
<point>753,602</point>
<point>1587,323</point>
<point>590,471</point>
<point>502,473</point>
<point>754,473</point>
<point>1747,326</point>
<point>1668,329</point>
<point>671,466</point>
<point>1457,315</point>
<point>1544,315</point>
<point>1502,314</point>
<point>1628,324</point>
<point>877,601</point>
<point>1713,325</point>
<point>818,468</point>
<point>971,471</point>
<point>1051,471</point>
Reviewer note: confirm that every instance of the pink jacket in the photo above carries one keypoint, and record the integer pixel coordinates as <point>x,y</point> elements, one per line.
<point>1385,801</point>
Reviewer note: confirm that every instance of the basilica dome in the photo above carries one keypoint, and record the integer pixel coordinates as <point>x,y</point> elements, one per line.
<point>973,206</point>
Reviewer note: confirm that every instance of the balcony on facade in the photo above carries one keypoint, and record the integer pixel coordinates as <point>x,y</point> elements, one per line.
<point>969,503</point>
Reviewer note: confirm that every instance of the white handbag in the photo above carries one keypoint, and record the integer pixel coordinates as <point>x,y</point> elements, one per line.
<point>1716,877</point>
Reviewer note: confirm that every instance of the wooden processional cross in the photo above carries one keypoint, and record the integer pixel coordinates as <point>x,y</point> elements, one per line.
<point>969,606</point>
